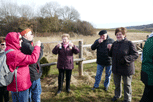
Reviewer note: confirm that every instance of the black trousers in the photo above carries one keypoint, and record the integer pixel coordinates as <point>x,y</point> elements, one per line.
<point>61,78</point>
<point>4,94</point>
<point>147,94</point>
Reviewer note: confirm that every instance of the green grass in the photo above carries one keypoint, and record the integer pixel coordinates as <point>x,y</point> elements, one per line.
<point>81,91</point>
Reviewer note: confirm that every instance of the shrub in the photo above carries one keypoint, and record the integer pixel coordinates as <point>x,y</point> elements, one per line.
<point>45,69</point>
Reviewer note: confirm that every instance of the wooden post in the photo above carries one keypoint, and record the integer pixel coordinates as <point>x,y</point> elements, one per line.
<point>80,66</point>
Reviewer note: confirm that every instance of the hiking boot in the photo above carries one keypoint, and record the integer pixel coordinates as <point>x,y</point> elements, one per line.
<point>106,88</point>
<point>94,88</point>
<point>125,101</point>
<point>114,99</point>
<point>58,92</point>
<point>68,91</point>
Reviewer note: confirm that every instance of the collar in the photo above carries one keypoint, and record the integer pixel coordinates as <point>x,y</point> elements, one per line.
<point>25,40</point>
<point>122,40</point>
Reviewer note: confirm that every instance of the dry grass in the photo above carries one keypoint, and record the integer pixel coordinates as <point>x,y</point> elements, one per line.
<point>90,39</point>
<point>88,54</point>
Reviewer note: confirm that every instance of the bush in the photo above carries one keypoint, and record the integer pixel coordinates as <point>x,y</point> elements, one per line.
<point>45,69</point>
<point>84,27</point>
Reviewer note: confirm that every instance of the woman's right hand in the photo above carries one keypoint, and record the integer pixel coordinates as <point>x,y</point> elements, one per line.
<point>109,46</point>
<point>59,45</point>
<point>38,43</point>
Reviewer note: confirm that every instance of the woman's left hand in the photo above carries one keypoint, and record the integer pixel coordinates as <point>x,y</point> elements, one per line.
<point>71,44</point>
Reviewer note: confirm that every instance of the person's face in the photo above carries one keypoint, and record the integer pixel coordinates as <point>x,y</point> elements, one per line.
<point>29,36</point>
<point>65,40</point>
<point>104,36</point>
<point>120,36</point>
<point>20,40</point>
<point>3,46</point>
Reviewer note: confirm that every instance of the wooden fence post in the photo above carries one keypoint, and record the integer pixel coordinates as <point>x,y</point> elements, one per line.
<point>80,66</point>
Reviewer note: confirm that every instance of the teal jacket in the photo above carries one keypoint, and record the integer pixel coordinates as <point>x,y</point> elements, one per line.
<point>147,63</point>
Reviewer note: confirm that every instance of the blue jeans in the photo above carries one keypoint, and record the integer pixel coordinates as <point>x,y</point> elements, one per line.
<point>21,96</point>
<point>35,91</point>
<point>108,71</point>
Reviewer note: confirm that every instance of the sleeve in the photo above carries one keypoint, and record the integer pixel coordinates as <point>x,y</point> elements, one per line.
<point>75,50</point>
<point>23,59</point>
<point>133,54</point>
<point>41,51</point>
<point>111,50</point>
<point>95,45</point>
<point>55,50</point>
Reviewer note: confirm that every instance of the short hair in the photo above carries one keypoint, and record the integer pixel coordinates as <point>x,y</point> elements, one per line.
<point>121,29</point>
<point>66,35</point>
<point>2,39</point>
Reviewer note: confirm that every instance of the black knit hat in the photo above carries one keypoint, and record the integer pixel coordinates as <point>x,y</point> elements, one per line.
<point>102,32</point>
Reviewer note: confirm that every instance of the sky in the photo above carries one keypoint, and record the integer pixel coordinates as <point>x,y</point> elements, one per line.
<point>105,13</point>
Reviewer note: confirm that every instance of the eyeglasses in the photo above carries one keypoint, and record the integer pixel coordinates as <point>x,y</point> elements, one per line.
<point>2,44</point>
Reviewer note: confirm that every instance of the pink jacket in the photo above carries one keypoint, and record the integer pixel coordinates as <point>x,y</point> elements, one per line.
<point>17,58</point>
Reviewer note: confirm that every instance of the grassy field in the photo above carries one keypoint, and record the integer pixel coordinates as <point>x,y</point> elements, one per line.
<point>81,86</point>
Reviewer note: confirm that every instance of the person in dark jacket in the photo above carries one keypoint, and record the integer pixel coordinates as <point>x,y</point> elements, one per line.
<point>65,52</point>
<point>4,93</point>
<point>147,70</point>
<point>103,60</point>
<point>123,53</point>
<point>35,69</point>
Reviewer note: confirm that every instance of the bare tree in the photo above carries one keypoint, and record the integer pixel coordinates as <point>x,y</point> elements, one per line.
<point>26,11</point>
<point>49,9</point>
<point>69,13</point>
<point>9,12</point>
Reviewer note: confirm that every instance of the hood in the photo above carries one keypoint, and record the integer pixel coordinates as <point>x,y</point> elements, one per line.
<point>12,40</point>
<point>151,35</point>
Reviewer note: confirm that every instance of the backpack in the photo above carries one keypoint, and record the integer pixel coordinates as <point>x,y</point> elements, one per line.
<point>6,76</point>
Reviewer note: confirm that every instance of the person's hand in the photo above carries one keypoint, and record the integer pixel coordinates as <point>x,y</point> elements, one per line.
<point>38,43</point>
<point>100,40</point>
<point>109,46</point>
<point>71,44</point>
<point>59,45</point>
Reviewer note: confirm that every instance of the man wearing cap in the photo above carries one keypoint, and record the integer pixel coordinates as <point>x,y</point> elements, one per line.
<point>103,60</point>
<point>35,69</point>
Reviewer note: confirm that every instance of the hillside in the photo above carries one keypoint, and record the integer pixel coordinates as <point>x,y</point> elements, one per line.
<point>148,27</point>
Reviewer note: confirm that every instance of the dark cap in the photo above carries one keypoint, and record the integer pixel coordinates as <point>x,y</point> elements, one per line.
<point>102,32</point>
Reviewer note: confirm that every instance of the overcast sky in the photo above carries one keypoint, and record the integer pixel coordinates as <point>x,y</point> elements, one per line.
<point>105,13</point>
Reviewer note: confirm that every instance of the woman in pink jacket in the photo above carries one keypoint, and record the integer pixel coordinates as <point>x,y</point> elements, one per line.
<point>15,59</point>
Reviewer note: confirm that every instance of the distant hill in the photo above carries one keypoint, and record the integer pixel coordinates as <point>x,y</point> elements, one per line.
<point>148,27</point>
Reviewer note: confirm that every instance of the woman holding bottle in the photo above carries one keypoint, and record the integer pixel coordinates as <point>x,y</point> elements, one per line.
<point>65,52</point>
